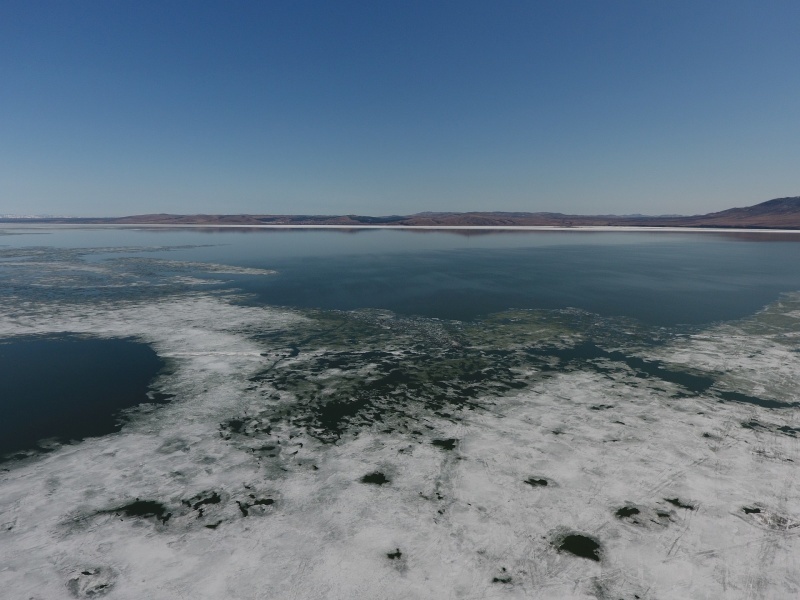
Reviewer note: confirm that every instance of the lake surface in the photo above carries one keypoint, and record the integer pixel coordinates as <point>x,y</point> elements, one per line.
<point>659,278</point>
<point>395,414</point>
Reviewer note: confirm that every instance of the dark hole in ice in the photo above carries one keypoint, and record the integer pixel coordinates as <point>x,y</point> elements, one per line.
<point>395,555</point>
<point>91,583</point>
<point>582,354</point>
<point>448,444</point>
<point>199,501</point>
<point>580,545</point>
<point>679,504</point>
<point>376,478</point>
<point>763,402</point>
<point>249,426</point>
<point>333,416</point>
<point>789,430</point>
<point>785,429</point>
<point>536,482</point>
<point>749,511</point>
<point>627,511</point>
<point>69,387</point>
<point>244,507</point>
<point>235,425</point>
<point>145,508</point>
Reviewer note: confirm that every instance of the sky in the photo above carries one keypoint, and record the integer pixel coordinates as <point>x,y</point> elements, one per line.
<point>592,107</point>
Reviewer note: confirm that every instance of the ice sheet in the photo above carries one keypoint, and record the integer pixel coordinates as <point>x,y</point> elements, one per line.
<point>239,489</point>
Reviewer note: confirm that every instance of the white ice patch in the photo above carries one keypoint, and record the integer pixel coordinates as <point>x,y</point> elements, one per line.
<point>758,355</point>
<point>455,523</point>
<point>53,268</point>
<point>212,267</point>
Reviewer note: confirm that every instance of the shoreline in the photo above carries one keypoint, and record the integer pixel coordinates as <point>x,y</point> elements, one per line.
<point>521,228</point>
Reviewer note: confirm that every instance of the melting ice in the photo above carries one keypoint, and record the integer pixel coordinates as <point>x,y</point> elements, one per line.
<point>364,454</point>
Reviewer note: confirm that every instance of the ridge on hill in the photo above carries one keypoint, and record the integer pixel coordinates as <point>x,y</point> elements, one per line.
<point>780,205</point>
<point>779,213</point>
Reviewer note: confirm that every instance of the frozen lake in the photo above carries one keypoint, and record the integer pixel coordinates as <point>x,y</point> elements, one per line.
<point>394,414</point>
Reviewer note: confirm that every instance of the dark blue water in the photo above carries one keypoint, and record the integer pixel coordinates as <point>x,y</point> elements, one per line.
<point>658,281</point>
<point>659,278</point>
<point>69,387</point>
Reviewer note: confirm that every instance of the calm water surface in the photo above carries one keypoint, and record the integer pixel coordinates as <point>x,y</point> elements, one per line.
<point>659,278</point>
<point>69,387</point>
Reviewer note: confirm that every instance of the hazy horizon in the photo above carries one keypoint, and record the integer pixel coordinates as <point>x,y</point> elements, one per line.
<point>359,108</point>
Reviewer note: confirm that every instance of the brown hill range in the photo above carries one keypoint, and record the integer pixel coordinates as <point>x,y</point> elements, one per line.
<point>780,213</point>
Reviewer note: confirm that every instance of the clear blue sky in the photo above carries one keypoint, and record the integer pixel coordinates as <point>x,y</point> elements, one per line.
<point>379,107</point>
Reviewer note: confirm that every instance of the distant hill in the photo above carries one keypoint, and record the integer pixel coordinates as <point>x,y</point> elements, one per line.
<point>780,213</point>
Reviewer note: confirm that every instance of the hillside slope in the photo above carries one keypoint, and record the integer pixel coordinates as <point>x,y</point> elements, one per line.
<point>780,213</point>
